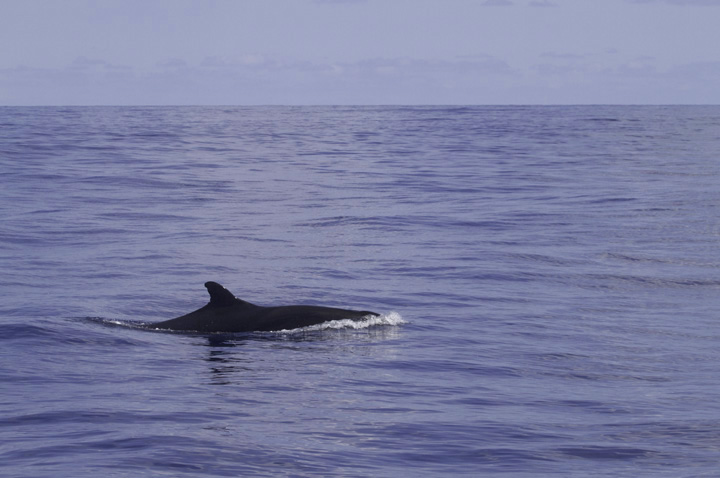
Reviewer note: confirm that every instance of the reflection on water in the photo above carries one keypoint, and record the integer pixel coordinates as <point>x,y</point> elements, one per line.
<point>223,364</point>
<point>230,360</point>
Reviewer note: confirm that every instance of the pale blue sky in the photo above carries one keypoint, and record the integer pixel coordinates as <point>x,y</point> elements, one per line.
<point>359,52</point>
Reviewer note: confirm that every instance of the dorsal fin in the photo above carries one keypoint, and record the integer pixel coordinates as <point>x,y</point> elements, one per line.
<point>219,295</point>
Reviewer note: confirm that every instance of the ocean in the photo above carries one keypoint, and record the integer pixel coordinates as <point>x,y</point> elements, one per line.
<point>548,280</point>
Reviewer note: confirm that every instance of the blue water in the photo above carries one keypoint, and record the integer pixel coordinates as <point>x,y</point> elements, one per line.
<point>548,279</point>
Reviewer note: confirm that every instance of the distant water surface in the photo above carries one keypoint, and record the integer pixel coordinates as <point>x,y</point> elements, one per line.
<point>549,279</point>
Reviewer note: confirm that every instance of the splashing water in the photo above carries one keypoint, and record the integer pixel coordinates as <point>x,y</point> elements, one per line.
<point>391,318</point>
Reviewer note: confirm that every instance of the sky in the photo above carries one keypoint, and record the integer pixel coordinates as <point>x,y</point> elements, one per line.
<point>359,52</point>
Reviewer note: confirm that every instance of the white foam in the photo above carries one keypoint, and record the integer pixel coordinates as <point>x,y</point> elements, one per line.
<point>391,318</point>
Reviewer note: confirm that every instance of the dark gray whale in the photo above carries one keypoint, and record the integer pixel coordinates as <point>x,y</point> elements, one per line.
<point>226,313</point>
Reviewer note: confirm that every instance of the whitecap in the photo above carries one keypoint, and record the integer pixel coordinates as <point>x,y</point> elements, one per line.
<point>391,318</point>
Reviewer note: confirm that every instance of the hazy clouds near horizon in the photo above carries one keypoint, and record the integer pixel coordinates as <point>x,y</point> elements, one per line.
<point>359,52</point>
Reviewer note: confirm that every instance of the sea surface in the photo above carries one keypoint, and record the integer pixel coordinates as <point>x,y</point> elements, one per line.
<point>548,279</point>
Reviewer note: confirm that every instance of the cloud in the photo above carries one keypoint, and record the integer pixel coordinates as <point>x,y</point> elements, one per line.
<point>84,63</point>
<point>562,56</point>
<point>338,1</point>
<point>558,78</point>
<point>637,81</point>
<point>704,3</point>
<point>706,71</point>
<point>484,64</point>
<point>255,79</point>
<point>172,63</point>
<point>496,3</point>
<point>542,3</point>
<point>552,69</point>
<point>81,82</point>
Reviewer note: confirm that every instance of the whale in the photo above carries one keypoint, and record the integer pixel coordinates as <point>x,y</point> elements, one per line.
<point>227,313</point>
